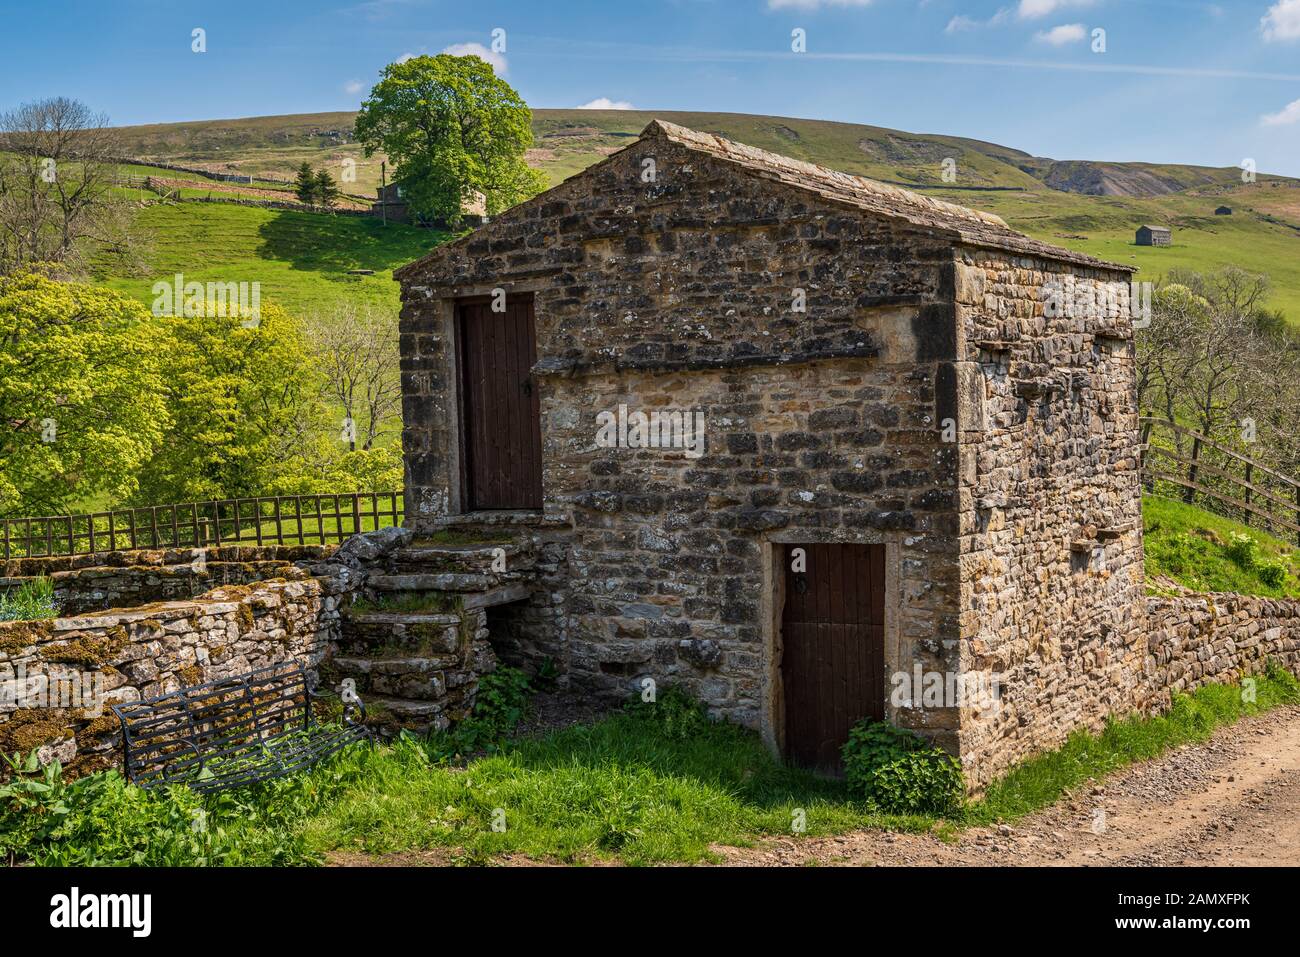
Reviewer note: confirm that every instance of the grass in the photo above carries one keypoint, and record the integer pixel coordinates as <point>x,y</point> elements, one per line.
<point>652,784</point>
<point>301,259</point>
<point>1206,552</point>
<point>31,601</point>
<point>1040,781</point>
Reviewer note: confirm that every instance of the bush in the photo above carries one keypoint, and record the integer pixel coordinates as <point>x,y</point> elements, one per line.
<point>899,772</point>
<point>500,703</point>
<point>1272,574</point>
<point>1243,550</point>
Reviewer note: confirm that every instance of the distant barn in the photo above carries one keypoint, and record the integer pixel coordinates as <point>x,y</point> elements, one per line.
<point>1223,211</point>
<point>1154,236</point>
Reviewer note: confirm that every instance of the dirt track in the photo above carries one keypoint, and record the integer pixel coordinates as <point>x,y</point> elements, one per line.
<point>1233,801</point>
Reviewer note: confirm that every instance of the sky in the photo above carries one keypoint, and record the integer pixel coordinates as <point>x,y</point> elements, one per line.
<point>1178,81</point>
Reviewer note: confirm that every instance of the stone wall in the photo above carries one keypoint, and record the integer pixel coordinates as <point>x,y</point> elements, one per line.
<point>1193,640</point>
<point>58,677</point>
<point>1051,551</point>
<point>95,582</point>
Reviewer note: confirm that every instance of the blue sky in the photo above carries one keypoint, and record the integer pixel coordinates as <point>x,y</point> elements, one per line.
<point>1179,81</point>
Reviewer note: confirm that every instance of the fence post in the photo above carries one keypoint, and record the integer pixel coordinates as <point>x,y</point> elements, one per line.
<point>1189,492</point>
<point>356,513</point>
<point>1250,469</point>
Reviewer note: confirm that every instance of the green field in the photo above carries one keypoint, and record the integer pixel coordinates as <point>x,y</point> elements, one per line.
<point>300,259</point>
<point>1262,235</point>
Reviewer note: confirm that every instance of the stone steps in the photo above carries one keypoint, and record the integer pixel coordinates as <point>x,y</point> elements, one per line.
<point>410,679</point>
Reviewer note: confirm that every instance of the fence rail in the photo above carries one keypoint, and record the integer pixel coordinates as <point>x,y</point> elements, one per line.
<point>1181,462</point>
<point>265,520</point>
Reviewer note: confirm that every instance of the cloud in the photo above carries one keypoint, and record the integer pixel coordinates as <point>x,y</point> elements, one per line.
<point>1289,115</point>
<point>814,4</point>
<point>605,103</point>
<point>1282,22</point>
<point>405,56</point>
<point>497,61</point>
<point>963,24</point>
<point>352,87</point>
<point>1037,9</point>
<point>1060,36</point>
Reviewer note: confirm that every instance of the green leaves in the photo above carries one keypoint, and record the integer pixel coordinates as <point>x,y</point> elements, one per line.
<point>81,384</point>
<point>899,772</point>
<point>455,129</point>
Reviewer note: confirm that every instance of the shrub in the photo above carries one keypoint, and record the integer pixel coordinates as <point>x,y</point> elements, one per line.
<point>499,705</point>
<point>32,600</point>
<point>1272,574</point>
<point>899,772</point>
<point>1243,550</point>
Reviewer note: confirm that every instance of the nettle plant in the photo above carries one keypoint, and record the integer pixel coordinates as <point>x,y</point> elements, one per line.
<point>899,772</point>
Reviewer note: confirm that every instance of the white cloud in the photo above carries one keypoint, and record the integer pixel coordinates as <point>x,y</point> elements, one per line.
<point>814,4</point>
<point>497,61</point>
<point>1060,36</point>
<point>353,87</point>
<point>1036,9</point>
<point>962,23</point>
<point>405,56</point>
<point>1287,116</point>
<point>605,103</point>
<point>1282,22</point>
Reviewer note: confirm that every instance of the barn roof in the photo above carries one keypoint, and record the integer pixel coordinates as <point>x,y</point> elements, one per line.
<point>1156,229</point>
<point>970,226</point>
<point>965,226</point>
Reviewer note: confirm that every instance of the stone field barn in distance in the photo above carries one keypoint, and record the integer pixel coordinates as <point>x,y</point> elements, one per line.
<point>910,464</point>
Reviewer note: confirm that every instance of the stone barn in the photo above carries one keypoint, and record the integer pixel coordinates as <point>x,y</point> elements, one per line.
<point>813,447</point>
<point>1154,236</point>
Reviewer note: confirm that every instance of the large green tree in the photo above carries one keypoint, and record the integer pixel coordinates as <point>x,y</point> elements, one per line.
<point>454,129</point>
<point>81,394</point>
<point>245,401</point>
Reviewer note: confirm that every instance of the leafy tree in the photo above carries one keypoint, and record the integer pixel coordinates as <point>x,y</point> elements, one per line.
<point>454,128</point>
<point>304,187</point>
<point>81,394</point>
<point>245,403</point>
<point>327,193</point>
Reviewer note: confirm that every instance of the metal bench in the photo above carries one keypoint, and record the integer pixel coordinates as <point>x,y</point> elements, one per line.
<point>234,731</point>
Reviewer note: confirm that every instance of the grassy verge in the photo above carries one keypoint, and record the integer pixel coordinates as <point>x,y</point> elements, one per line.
<point>655,783</point>
<point>1040,781</point>
<point>1206,552</point>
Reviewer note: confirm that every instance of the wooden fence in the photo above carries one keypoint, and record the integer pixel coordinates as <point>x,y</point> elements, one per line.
<point>267,520</point>
<point>1179,462</point>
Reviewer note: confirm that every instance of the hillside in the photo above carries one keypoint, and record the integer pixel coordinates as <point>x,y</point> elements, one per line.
<point>1090,206</point>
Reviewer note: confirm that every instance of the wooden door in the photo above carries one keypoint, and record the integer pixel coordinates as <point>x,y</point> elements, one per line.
<point>501,439</point>
<point>833,648</point>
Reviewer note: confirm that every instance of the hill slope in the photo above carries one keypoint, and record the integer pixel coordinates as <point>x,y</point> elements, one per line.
<point>1085,205</point>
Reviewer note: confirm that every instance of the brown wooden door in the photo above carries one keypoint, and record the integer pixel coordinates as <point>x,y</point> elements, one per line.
<point>833,649</point>
<point>500,413</point>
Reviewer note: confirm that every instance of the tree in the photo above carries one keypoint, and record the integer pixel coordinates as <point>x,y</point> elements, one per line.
<point>57,165</point>
<point>245,401</point>
<point>81,394</point>
<point>454,128</point>
<point>304,187</point>
<point>356,350</point>
<point>327,193</point>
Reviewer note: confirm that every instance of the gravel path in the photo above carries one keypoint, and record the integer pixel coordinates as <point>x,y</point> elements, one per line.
<point>1232,801</point>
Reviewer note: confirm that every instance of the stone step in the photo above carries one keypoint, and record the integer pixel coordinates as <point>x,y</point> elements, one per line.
<point>446,581</point>
<point>431,633</point>
<point>408,679</point>
<point>416,715</point>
